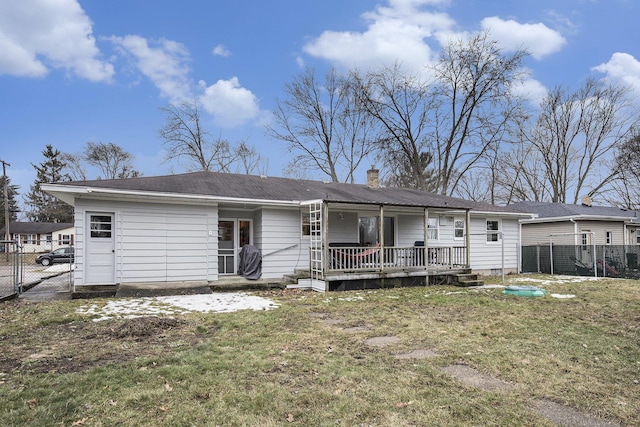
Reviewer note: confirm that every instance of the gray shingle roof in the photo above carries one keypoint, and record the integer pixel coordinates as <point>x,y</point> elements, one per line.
<point>559,210</point>
<point>285,189</point>
<point>37,227</point>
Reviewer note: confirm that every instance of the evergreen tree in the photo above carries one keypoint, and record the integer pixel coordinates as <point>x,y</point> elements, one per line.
<point>13,205</point>
<point>44,207</point>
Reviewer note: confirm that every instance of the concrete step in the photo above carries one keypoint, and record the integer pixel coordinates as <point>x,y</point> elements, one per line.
<point>467,280</point>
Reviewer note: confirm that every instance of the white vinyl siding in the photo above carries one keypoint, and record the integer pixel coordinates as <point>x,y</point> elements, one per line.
<point>282,249</point>
<point>486,256</point>
<point>163,247</point>
<point>410,230</point>
<point>538,233</point>
<point>155,242</point>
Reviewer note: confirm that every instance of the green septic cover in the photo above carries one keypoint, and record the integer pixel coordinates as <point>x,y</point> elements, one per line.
<point>524,291</point>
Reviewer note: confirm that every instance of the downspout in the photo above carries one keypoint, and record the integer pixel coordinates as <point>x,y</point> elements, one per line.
<point>426,238</point>
<point>381,238</point>
<point>519,257</point>
<point>575,231</point>
<point>468,237</point>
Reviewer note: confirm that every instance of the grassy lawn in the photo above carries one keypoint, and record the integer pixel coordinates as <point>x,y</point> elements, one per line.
<point>309,363</point>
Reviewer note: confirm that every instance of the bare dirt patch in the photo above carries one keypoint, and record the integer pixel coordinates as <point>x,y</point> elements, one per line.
<point>467,375</point>
<point>567,416</point>
<point>381,341</point>
<point>421,353</point>
<point>78,346</point>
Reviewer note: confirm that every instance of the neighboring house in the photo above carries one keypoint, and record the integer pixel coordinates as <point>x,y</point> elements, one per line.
<point>563,238</point>
<point>191,227</point>
<point>41,236</point>
<point>585,224</point>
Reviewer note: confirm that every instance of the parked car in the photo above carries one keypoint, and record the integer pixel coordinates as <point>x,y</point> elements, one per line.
<point>63,255</point>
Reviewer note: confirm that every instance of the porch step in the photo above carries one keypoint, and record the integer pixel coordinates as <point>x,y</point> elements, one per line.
<point>97,291</point>
<point>466,280</point>
<point>298,273</point>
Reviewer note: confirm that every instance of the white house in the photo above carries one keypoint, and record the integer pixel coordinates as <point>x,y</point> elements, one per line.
<point>41,236</point>
<point>191,227</point>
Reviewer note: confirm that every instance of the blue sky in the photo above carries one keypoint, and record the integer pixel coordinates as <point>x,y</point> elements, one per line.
<point>73,71</point>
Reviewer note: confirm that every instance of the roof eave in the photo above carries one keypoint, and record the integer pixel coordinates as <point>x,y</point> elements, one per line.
<point>69,193</point>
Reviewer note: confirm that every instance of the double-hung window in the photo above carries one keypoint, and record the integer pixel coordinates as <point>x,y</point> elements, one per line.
<point>458,228</point>
<point>493,230</point>
<point>432,228</point>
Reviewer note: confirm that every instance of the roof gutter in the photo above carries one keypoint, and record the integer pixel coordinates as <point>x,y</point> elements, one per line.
<point>573,218</point>
<point>92,192</point>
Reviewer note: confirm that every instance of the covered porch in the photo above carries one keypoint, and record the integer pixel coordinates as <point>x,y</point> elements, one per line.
<point>368,242</point>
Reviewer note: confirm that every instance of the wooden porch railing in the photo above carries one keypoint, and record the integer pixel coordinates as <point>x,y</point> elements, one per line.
<point>395,258</point>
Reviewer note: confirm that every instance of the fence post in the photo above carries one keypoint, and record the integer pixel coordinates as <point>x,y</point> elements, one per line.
<point>551,254</point>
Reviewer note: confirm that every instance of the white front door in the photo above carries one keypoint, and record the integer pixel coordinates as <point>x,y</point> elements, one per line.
<point>100,265</point>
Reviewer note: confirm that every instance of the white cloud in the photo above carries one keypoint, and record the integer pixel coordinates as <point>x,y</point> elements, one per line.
<point>220,50</point>
<point>538,39</point>
<point>229,103</point>
<point>164,62</point>
<point>395,33</point>
<point>622,67</point>
<point>531,89</point>
<point>36,35</point>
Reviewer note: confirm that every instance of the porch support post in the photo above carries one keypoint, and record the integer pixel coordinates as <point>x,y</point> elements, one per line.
<point>468,237</point>
<point>426,238</point>
<point>325,238</point>
<point>381,222</point>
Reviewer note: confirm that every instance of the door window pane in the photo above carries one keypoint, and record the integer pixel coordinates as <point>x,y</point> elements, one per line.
<point>100,226</point>
<point>244,229</point>
<point>493,230</point>
<point>458,227</point>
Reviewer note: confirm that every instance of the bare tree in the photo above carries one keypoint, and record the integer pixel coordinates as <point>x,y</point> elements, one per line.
<point>322,125</point>
<point>112,161</point>
<point>625,189</point>
<point>74,166</point>
<point>248,160</point>
<point>433,133</point>
<point>188,141</point>
<point>477,105</point>
<point>574,135</point>
<point>401,104</point>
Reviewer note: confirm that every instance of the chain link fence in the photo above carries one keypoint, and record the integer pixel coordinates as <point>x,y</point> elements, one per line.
<point>580,260</point>
<point>46,271</point>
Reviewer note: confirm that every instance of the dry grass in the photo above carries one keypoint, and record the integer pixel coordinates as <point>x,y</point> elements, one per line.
<point>307,363</point>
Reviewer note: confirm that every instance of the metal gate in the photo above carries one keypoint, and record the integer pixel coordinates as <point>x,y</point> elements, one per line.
<point>10,269</point>
<point>20,273</point>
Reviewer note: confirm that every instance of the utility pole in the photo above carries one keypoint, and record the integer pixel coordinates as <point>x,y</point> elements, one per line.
<point>6,206</point>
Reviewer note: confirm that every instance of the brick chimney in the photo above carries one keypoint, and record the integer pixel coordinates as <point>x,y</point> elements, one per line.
<point>586,201</point>
<point>372,178</point>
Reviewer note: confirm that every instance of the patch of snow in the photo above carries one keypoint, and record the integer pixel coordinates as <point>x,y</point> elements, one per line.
<point>178,304</point>
<point>563,296</point>
<point>554,280</point>
<point>59,268</point>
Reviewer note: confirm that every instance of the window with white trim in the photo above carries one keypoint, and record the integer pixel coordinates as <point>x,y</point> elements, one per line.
<point>30,239</point>
<point>306,224</point>
<point>459,225</point>
<point>493,230</point>
<point>432,227</point>
<point>608,237</point>
<point>584,239</point>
